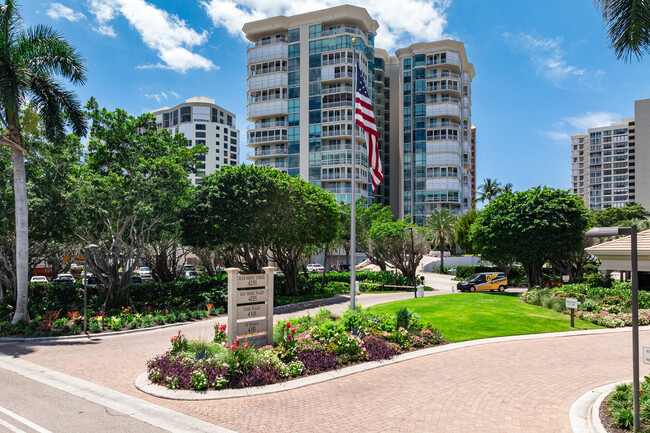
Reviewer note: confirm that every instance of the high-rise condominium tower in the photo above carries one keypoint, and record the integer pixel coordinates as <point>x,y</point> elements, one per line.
<point>300,99</point>
<point>205,123</point>
<point>609,164</point>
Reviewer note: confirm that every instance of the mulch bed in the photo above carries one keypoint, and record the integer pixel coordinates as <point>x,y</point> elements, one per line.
<point>608,423</point>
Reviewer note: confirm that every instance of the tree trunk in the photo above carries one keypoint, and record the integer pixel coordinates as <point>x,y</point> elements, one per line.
<point>533,274</point>
<point>327,250</point>
<point>442,256</point>
<point>22,236</point>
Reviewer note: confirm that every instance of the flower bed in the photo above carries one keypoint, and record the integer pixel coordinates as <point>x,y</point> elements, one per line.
<point>305,345</point>
<point>609,307</point>
<point>619,406</point>
<point>54,323</point>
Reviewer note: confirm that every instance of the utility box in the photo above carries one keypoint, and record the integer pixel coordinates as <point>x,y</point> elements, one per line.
<point>420,293</point>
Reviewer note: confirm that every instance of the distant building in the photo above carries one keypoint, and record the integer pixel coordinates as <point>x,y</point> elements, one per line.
<point>300,99</point>
<point>472,164</point>
<point>610,164</point>
<point>203,122</point>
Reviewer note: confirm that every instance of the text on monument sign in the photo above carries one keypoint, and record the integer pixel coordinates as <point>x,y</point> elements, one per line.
<point>251,311</point>
<point>255,340</point>
<point>252,327</point>
<point>571,303</point>
<point>258,280</point>
<point>252,296</point>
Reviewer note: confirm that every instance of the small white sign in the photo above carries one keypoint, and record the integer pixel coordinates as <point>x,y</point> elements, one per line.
<point>646,355</point>
<point>566,278</point>
<point>572,303</point>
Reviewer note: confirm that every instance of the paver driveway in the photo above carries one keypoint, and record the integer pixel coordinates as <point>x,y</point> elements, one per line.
<point>515,386</point>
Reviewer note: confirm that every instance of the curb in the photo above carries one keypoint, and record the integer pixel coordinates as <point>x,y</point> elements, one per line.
<point>584,415</point>
<point>151,413</point>
<point>143,383</point>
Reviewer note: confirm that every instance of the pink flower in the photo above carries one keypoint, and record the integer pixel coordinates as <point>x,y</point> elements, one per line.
<point>246,345</point>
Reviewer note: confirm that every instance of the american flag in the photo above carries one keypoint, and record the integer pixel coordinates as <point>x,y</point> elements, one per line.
<point>365,118</point>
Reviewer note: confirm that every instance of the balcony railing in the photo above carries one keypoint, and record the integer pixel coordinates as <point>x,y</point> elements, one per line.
<point>267,152</point>
<point>335,104</point>
<point>337,119</point>
<point>268,42</point>
<point>336,62</point>
<point>443,99</point>
<point>338,31</point>
<point>442,87</point>
<point>442,74</point>
<point>336,133</point>
<point>341,89</point>
<point>270,138</point>
<point>267,125</point>
<point>253,100</point>
<point>266,71</point>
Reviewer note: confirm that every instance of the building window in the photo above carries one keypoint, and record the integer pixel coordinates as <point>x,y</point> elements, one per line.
<point>407,64</point>
<point>199,127</point>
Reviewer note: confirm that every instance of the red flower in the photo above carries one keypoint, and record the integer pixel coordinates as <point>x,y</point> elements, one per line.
<point>233,347</point>
<point>289,337</point>
<point>293,330</point>
<point>222,328</point>
<point>227,347</point>
<point>288,325</point>
<point>237,341</point>
<point>246,345</point>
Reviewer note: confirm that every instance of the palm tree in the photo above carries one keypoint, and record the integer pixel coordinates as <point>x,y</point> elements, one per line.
<point>628,23</point>
<point>507,188</point>
<point>442,224</point>
<point>490,189</point>
<point>29,61</point>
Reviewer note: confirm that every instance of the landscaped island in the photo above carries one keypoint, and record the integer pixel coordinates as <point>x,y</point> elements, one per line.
<point>306,345</point>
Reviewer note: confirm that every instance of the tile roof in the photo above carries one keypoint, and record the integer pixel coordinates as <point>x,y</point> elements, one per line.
<point>623,244</point>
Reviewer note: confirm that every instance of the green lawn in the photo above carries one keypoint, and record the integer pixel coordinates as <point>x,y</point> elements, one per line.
<point>470,316</point>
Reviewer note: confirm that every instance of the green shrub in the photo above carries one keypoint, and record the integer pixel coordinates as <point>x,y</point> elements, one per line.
<point>590,268</point>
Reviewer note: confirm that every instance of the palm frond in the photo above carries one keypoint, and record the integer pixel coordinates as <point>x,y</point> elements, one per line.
<point>628,27</point>
<point>46,50</point>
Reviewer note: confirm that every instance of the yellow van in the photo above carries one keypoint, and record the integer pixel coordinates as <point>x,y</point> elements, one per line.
<point>484,281</point>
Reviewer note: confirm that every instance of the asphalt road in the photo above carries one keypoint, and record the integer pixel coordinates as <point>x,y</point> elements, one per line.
<point>29,406</point>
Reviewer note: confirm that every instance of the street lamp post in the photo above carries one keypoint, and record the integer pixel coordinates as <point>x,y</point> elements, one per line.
<point>601,232</point>
<point>87,248</point>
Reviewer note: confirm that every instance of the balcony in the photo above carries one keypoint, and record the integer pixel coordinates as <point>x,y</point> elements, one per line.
<point>267,125</point>
<point>335,104</point>
<point>267,139</point>
<point>434,100</point>
<point>264,71</point>
<point>270,152</point>
<point>330,119</point>
<point>337,132</point>
<point>329,74</point>
<point>437,73</point>
<point>445,109</point>
<point>265,42</point>
<point>337,62</point>
<point>342,89</point>
<point>264,81</point>
<point>443,124</point>
<point>442,87</point>
<point>259,109</point>
<point>265,52</point>
<point>330,148</point>
<point>344,29</point>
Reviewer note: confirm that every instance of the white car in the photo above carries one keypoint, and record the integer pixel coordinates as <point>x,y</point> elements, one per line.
<point>38,279</point>
<point>315,267</point>
<point>145,273</point>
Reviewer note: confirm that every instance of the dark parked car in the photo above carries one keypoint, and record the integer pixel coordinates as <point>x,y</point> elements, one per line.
<point>64,279</point>
<point>136,280</point>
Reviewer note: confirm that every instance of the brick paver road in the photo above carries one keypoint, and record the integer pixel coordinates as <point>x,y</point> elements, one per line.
<point>516,386</point>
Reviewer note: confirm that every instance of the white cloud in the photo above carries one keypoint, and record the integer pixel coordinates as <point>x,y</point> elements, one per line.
<point>403,22</point>
<point>105,30</point>
<point>162,95</point>
<point>593,120</point>
<point>58,11</point>
<point>557,136</point>
<point>167,34</point>
<point>547,57</point>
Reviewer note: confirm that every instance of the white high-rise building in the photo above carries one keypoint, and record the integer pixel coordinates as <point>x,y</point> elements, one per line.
<point>300,99</point>
<point>203,122</point>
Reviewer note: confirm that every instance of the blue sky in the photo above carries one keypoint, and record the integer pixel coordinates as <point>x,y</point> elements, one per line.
<point>543,69</point>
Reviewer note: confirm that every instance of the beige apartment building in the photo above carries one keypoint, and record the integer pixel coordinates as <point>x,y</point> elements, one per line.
<point>300,99</point>
<point>203,122</point>
<point>609,163</point>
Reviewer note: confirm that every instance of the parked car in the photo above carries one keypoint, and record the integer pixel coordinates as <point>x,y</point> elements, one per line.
<point>64,279</point>
<point>188,275</point>
<point>187,268</point>
<point>483,282</point>
<point>315,267</point>
<point>145,273</point>
<point>38,279</point>
<point>136,279</point>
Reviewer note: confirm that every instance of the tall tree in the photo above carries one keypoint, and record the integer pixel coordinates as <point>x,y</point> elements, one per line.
<point>442,224</point>
<point>490,189</point>
<point>30,59</point>
<point>628,27</point>
<point>135,178</point>
<point>463,227</point>
<point>531,227</point>
<point>391,240</point>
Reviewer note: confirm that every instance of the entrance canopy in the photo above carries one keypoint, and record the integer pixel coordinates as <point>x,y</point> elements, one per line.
<point>615,255</point>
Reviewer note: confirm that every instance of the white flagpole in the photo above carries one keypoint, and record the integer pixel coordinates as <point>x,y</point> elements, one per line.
<point>353,205</point>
